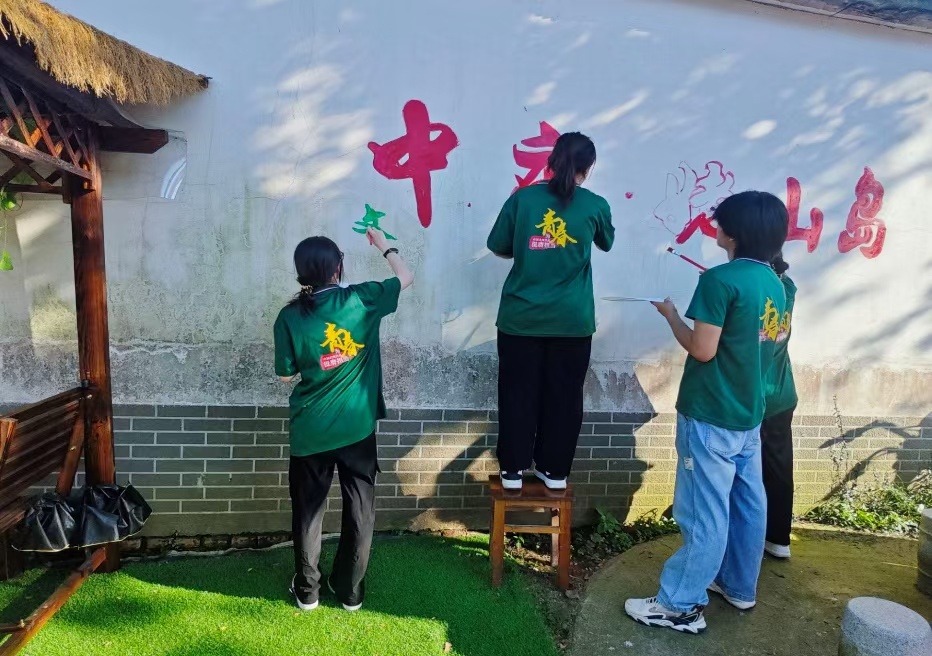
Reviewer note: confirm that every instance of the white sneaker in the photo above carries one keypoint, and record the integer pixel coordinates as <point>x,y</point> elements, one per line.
<point>777,550</point>
<point>551,483</point>
<point>651,612</point>
<point>512,480</point>
<point>737,603</point>
<point>351,609</point>
<point>297,599</point>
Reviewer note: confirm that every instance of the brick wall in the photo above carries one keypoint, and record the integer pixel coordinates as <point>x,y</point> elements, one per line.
<point>223,470</point>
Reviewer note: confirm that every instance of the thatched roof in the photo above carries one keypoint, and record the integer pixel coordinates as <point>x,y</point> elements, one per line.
<point>83,57</point>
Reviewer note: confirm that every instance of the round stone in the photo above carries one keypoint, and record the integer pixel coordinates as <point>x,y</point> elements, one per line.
<point>877,627</point>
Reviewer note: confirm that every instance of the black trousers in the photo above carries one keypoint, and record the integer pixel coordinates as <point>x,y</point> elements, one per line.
<point>309,479</point>
<point>776,435</point>
<point>540,401</point>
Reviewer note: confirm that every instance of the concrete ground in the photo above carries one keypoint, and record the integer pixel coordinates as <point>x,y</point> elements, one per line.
<point>800,601</point>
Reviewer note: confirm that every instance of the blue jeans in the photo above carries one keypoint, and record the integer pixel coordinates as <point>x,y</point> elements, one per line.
<point>720,505</point>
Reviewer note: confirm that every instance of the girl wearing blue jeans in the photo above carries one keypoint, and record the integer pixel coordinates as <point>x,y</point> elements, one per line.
<point>719,500</point>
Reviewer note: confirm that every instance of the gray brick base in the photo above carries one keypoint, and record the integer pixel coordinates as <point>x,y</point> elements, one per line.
<point>223,470</point>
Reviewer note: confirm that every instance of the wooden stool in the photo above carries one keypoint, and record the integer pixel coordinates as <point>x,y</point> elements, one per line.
<point>533,494</point>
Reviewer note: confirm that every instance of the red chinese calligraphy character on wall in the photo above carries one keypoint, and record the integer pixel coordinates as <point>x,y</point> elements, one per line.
<point>863,228</point>
<point>535,161</point>
<point>415,154</point>
<point>813,233</point>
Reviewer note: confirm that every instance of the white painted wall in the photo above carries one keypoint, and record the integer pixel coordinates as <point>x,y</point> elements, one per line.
<point>277,150</point>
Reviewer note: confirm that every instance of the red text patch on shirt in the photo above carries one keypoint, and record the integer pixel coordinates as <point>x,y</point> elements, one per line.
<point>539,243</point>
<point>333,360</point>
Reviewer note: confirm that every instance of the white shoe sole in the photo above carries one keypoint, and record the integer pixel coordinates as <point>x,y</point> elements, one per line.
<point>512,485</point>
<point>300,604</point>
<point>694,628</point>
<point>550,483</point>
<point>737,603</point>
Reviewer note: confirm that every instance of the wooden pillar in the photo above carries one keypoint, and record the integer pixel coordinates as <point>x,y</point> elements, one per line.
<point>90,284</point>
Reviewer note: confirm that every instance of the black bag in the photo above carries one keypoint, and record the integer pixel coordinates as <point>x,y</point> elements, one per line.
<point>110,513</point>
<point>49,525</point>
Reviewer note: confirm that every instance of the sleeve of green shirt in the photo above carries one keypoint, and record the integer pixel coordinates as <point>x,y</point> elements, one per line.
<point>285,364</point>
<point>604,230</point>
<point>710,301</point>
<point>379,297</point>
<point>502,238</point>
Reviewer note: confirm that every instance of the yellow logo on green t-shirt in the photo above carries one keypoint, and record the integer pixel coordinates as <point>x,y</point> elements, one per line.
<point>770,322</point>
<point>341,345</point>
<point>554,233</point>
<point>785,324</point>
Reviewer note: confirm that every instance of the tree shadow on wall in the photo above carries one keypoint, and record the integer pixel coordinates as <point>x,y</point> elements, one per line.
<point>904,468</point>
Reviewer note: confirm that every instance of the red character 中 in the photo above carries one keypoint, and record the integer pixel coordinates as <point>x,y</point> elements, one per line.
<point>864,229</point>
<point>813,233</point>
<point>535,161</point>
<point>415,154</point>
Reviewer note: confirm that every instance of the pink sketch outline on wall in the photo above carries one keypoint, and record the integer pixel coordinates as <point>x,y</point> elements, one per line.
<point>704,193</point>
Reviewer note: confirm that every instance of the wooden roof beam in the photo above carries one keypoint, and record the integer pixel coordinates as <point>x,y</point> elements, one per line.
<point>132,140</point>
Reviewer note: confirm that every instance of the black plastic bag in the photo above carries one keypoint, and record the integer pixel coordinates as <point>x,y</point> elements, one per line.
<point>110,513</point>
<point>49,525</point>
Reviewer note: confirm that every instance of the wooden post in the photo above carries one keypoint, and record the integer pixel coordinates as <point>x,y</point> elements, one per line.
<point>90,285</point>
<point>566,528</point>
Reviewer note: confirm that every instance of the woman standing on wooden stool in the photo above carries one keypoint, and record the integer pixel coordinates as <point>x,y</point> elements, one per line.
<point>327,339</point>
<point>546,318</point>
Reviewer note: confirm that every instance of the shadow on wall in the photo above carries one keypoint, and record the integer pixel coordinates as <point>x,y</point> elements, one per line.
<point>896,451</point>
<point>218,266</point>
<point>608,470</point>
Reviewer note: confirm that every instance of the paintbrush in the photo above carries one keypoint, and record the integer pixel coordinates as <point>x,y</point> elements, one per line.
<point>683,257</point>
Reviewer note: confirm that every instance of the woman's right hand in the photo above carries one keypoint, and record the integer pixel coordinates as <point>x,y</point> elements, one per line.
<point>377,239</point>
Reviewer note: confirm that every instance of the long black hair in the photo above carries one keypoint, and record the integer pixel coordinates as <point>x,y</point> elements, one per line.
<point>317,260</point>
<point>574,153</point>
<point>757,221</point>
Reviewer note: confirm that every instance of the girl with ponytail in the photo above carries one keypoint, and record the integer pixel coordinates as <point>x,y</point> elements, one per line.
<point>546,317</point>
<point>327,342</point>
<point>776,432</point>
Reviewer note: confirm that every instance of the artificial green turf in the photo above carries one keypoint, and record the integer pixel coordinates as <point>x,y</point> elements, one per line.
<point>422,592</point>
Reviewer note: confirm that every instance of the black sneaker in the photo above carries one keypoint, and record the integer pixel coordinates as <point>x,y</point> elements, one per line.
<point>303,602</point>
<point>552,482</point>
<point>651,612</point>
<point>512,480</point>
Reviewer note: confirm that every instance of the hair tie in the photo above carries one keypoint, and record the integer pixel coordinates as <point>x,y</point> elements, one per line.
<point>307,289</point>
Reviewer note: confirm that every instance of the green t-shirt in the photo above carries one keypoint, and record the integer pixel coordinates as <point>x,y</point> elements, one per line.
<point>746,299</point>
<point>781,388</point>
<point>335,348</point>
<point>548,292</point>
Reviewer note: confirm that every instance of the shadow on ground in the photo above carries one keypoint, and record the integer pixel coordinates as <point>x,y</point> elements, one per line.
<point>800,602</point>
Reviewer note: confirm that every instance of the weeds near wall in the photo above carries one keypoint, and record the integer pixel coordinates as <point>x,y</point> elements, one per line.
<point>881,508</point>
<point>841,454</point>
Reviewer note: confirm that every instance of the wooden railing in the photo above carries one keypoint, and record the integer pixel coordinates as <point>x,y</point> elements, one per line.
<point>36,441</point>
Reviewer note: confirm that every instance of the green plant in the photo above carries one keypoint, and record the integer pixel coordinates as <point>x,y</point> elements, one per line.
<point>611,532</point>
<point>8,203</point>
<point>892,508</point>
<point>653,525</point>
